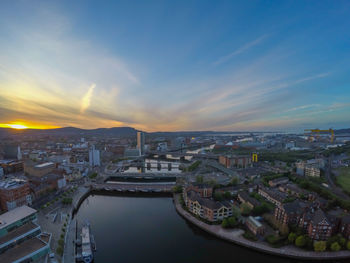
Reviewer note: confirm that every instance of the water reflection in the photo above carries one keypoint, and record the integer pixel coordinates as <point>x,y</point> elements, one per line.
<point>142,229</point>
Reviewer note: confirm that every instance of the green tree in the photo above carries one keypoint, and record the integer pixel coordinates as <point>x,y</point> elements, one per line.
<point>177,189</point>
<point>61,242</point>
<point>225,223</point>
<point>236,212</point>
<point>59,250</point>
<point>227,195</point>
<point>199,179</point>
<point>348,245</point>
<point>232,221</point>
<point>218,196</point>
<point>300,241</point>
<point>245,209</point>
<point>335,246</point>
<point>234,181</point>
<point>291,237</point>
<point>320,246</point>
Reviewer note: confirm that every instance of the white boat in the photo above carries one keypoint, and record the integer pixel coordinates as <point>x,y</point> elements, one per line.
<point>86,244</point>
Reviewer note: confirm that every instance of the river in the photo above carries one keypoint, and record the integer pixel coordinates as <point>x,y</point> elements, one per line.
<point>148,229</point>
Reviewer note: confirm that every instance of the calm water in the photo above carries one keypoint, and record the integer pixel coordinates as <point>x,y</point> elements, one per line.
<point>148,229</point>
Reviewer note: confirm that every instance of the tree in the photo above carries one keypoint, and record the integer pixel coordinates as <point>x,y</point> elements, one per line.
<point>320,246</point>
<point>218,196</point>
<point>59,250</point>
<point>199,179</point>
<point>348,245</point>
<point>232,221</point>
<point>291,237</point>
<point>300,241</point>
<point>236,212</point>
<point>342,242</point>
<point>234,181</point>
<point>61,242</point>
<point>261,209</point>
<point>227,195</point>
<point>245,209</point>
<point>335,246</point>
<point>177,189</point>
<point>225,223</point>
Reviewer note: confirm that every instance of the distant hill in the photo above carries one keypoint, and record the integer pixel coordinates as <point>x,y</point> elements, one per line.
<point>72,131</point>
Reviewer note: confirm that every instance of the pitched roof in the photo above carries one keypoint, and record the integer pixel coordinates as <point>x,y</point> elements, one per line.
<point>206,202</point>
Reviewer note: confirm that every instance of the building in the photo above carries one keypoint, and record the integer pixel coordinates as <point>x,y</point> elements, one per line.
<point>310,167</point>
<point>254,226</point>
<point>232,161</point>
<point>38,170</point>
<point>12,152</point>
<point>179,143</point>
<point>207,208</point>
<point>345,227</point>
<point>94,157</point>
<point>245,198</point>
<point>290,213</point>
<point>21,239</point>
<point>141,142</point>
<point>204,190</point>
<point>312,171</point>
<point>320,227</point>
<point>14,192</point>
<point>11,166</point>
<point>292,189</point>
<point>274,196</point>
<point>278,181</point>
<point>131,153</point>
<point>162,147</point>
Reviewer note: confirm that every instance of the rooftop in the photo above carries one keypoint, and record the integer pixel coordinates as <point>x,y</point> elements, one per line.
<point>12,183</point>
<point>22,250</point>
<point>43,165</point>
<point>18,232</point>
<point>254,221</point>
<point>14,215</point>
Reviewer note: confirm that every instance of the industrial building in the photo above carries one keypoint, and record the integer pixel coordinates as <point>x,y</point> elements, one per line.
<point>21,239</point>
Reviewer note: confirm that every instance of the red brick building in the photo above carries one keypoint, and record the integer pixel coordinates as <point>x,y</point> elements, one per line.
<point>320,227</point>
<point>14,193</point>
<point>240,161</point>
<point>204,190</point>
<point>345,226</point>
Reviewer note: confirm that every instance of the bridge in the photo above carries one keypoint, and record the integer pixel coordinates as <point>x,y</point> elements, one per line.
<point>134,187</point>
<point>148,175</point>
<point>181,155</point>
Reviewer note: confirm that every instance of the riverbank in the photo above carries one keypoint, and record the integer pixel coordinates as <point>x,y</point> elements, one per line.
<point>235,236</point>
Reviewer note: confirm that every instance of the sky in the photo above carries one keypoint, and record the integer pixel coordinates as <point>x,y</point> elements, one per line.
<point>175,65</point>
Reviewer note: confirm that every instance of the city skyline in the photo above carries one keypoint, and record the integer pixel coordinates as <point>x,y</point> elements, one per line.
<point>161,66</point>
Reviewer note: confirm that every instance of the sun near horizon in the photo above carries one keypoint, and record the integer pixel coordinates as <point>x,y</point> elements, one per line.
<point>23,126</point>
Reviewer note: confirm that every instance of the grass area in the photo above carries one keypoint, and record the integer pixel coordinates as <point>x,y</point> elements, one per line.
<point>288,157</point>
<point>343,179</point>
<point>193,166</point>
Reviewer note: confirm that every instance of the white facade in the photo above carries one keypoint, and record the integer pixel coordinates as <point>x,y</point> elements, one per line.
<point>162,147</point>
<point>94,157</point>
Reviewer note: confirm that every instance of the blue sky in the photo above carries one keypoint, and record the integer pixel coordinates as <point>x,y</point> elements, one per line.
<point>176,65</point>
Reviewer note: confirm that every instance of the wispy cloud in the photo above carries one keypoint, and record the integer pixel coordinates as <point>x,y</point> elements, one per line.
<point>85,102</point>
<point>303,107</point>
<point>240,50</point>
<point>318,76</point>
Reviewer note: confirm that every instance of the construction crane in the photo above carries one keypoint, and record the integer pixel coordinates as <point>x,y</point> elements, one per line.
<point>331,131</point>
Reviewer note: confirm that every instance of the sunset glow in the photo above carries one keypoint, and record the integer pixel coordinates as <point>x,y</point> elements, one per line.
<point>22,126</point>
<point>61,73</point>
